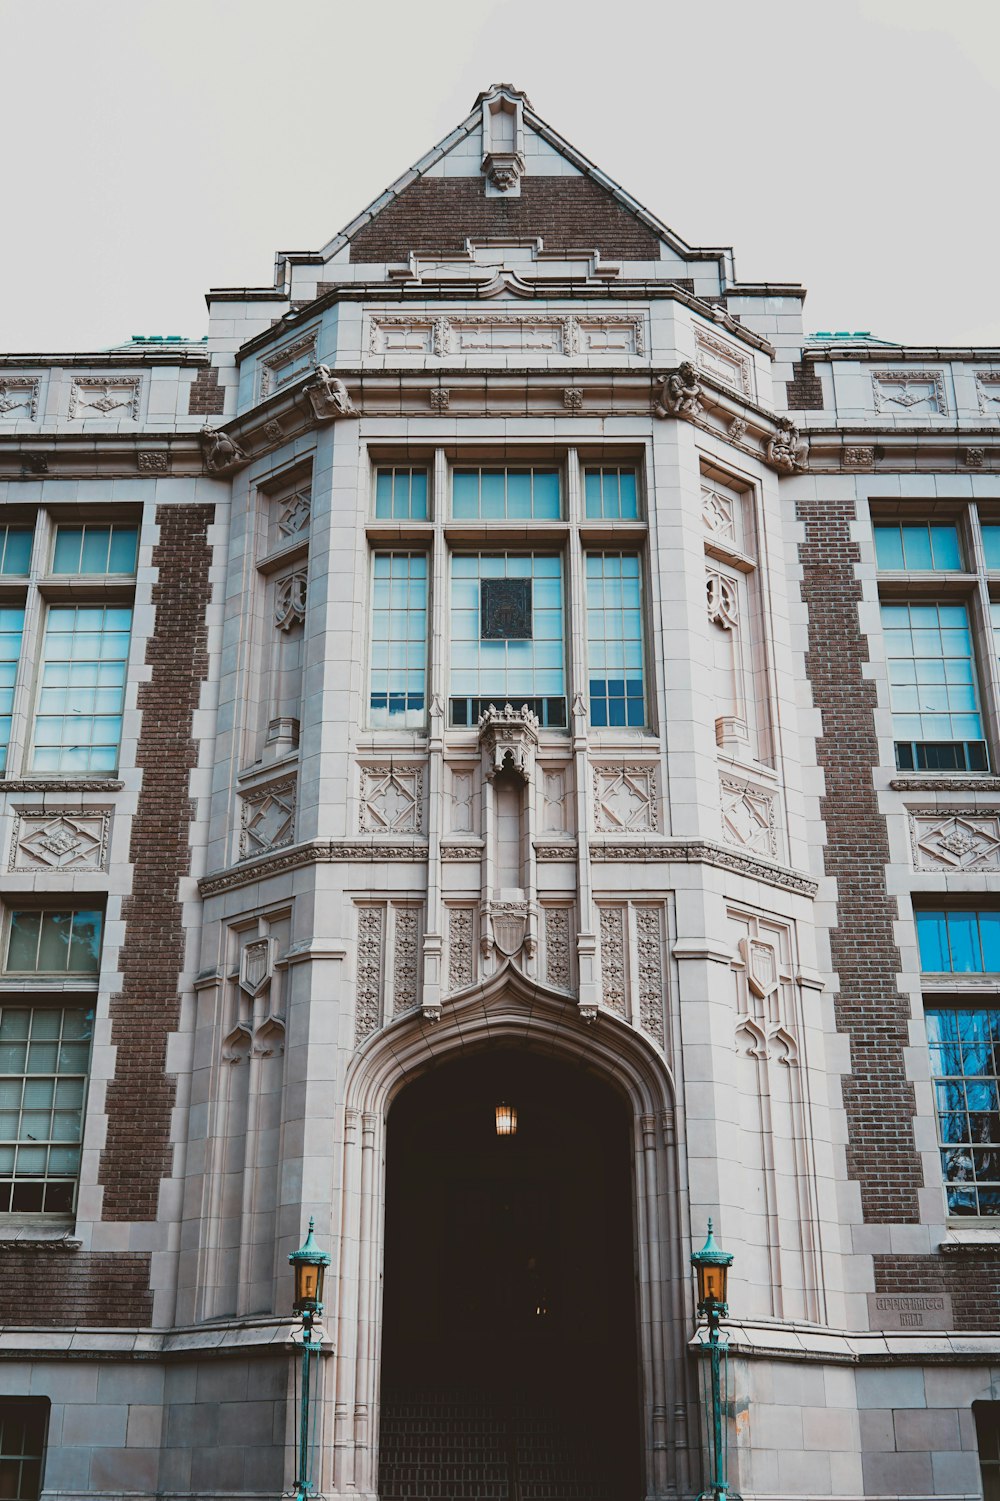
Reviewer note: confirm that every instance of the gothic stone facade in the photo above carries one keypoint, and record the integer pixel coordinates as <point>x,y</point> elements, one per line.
<point>508,625</point>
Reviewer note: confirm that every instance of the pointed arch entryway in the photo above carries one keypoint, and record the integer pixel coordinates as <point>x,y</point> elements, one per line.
<point>513,1015</point>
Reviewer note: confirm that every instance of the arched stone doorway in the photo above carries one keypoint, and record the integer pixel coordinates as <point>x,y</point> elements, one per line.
<point>510,1011</point>
<point>510,1296</point>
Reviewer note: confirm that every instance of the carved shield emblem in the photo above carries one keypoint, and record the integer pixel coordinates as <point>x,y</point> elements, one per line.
<point>256,965</point>
<point>508,932</point>
<point>762,966</point>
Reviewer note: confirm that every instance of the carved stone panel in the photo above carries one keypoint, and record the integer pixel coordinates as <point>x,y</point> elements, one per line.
<point>267,817</point>
<point>460,947</point>
<point>718,514</point>
<point>57,839</point>
<point>110,397</point>
<point>625,799</point>
<point>507,333</point>
<point>290,600</point>
<point>554,802</point>
<point>294,514</point>
<point>558,960</point>
<point>257,965</point>
<point>988,391</point>
<point>614,943</point>
<point>461,803</point>
<point>748,817</point>
<point>371,953</point>
<point>956,839</point>
<point>392,799</point>
<point>18,398</point>
<point>908,392</point>
<point>649,947</point>
<point>405,968</point>
<point>728,364</point>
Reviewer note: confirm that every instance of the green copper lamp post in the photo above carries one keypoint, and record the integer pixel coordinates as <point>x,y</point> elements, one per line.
<point>309,1264</point>
<point>712,1265</point>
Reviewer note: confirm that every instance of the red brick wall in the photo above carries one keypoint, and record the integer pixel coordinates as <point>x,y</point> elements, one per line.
<point>804,393</point>
<point>206,398</point>
<point>568,213</point>
<point>972,1279</point>
<point>57,1288</point>
<point>881,1154</point>
<point>141,1095</point>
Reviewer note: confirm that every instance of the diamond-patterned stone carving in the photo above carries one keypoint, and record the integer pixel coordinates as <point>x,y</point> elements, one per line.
<point>392,799</point>
<point>748,817</point>
<point>267,818</point>
<point>116,396</point>
<point>295,514</point>
<point>625,799</point>
<point>960,841</point>
<point>60,839</point>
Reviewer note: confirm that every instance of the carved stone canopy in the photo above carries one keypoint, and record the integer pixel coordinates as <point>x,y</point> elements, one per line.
<point>509,738</point>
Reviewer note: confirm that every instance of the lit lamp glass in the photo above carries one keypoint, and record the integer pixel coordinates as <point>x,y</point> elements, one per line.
<point>309,1265</point>
<point>506,1119</point>
<point>712,1265</point>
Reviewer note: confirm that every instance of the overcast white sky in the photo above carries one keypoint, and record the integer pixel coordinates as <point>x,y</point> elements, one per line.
<point>154,148</point>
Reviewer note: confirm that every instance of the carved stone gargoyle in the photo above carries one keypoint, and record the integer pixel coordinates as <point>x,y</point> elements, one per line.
<point>222,454</point>
<point>787,449</point>
<point>680,393</point>
<point>329,397</point>
<point>509,737</point>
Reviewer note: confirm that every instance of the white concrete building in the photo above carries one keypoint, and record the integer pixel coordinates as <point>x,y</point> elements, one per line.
<point>506,661</point>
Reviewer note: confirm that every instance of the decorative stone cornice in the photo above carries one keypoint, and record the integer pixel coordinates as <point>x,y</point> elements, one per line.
<point>295,857</point>
<point>705,852</point>
<point>60,785</point>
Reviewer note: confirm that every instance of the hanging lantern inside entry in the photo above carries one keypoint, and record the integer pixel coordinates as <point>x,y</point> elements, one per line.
<point>506,1116</point>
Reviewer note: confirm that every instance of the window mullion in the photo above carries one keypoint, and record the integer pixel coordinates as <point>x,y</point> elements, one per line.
<point>438,665</point>
<point>576,589</point>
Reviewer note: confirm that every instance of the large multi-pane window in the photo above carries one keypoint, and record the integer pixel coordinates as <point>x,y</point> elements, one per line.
<point>512,627</point>
<point>921,547</point>
<point>71,669</point>
<point>933,691</point>
<point>614,639</point>
<point>78,717</point>
<point>23,1425</point>
<point>507,635</point>
<point>965,1067</point>
<point>398,667</point>
<point>44,1059</point>
<point>11,630</point>
<point>57,942</point>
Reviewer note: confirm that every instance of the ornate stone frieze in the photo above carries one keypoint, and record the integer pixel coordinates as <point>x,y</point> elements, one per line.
<point>906,390</point>
<point>406,959</point>
<point>295,514</point>
<point>328,396</point>
<point>509,738</point>
<point>19,398</point>
<point>704,851</point>
<point>956,839</point>
<point>460,947</point>
<point>392,799</point>
<point>613,960</point>
<point>858,457</point>
<point>273,431</point>
<point>152,461</point>
<point>737,429</point>
<point>222,454</point>
<point>290,595</point>
<point>371,950</point>
<point>461,852</point>
<point>975,458</point>
<point>680,393</point>
<point>507,333</point>
<point>786,449</point>
<point>649,948</point>
<point>440,398</point>
<point>558,959</point>
<point>748,816</point>
<point>60,839</point>
<point>267,817</point>
<point>723,360</point>
<point>722,600</point>
<point>573,399</point>
<point>625,799</point>
<point>113,396</point>
<point>565,851</point>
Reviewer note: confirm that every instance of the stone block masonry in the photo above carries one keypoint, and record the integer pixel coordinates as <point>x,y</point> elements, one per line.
<point>141,1095</point>
<point>878,1097</point>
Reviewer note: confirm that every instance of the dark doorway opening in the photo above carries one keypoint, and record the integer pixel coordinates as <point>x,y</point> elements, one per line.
<point>509,1366</point>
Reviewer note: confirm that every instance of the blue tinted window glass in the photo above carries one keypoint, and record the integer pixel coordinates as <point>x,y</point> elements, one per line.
<point>15,550</point>
<point>933,939</point>
<point>989,934</point>
<point>944,547</point>
<point>991,546</point>
<point>963,943</point>
<point>964,1062</point>
<point>614,631</point>
<point>888,547</point>
<point>917,548</point>
<point>398,640</point>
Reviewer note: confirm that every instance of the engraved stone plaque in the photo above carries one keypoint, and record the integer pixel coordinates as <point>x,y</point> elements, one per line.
<point>910,1311</point>
<point>505,610</point>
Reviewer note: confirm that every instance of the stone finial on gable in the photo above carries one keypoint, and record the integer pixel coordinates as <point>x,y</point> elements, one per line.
<point>503,138</point>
